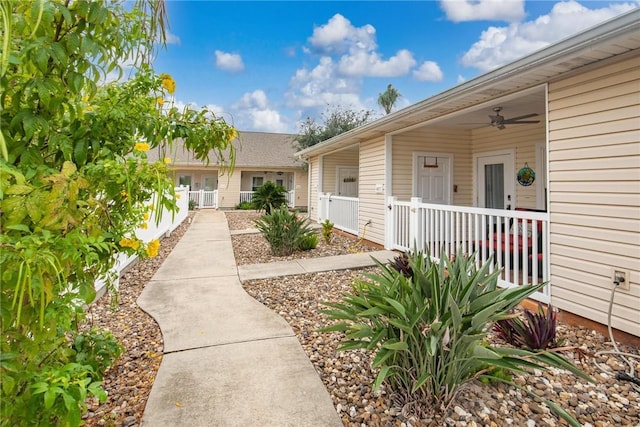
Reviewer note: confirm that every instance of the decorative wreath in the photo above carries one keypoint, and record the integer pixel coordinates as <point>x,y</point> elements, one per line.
<point>526,176</point>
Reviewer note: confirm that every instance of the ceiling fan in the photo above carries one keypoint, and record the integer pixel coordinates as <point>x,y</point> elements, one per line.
<point>500,122</point>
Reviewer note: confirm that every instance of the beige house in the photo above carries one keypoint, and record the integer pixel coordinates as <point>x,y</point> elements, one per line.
<point>260,157</point>
<point>536,164</point>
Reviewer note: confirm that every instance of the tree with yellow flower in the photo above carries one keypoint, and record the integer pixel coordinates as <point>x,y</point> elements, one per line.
<point>75,183</point>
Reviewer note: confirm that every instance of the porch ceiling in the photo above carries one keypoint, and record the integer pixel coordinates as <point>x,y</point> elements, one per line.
<point>468,105</point>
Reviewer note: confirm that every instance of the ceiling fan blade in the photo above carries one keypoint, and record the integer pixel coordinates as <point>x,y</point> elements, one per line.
<point>526,116</point>
<point>519,122</point>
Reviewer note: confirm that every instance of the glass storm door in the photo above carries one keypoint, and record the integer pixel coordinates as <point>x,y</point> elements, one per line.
<point>496,181</point>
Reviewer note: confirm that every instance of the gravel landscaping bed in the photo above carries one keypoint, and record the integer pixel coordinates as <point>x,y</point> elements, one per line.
<point>254,249</point>
<point>348,377</point>
<point>128,382</point>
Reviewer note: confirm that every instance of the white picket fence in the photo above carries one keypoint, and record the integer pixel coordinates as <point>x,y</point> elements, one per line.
<point>341,211</point>
<point>246,196</point>
<point>169,222</point>
<point>204,199</point>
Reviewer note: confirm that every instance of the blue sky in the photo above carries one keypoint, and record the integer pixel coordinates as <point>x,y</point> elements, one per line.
<point>266,65</point>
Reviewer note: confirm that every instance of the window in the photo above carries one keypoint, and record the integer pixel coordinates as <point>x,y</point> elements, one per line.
<point>256,182</point>
<point>280,182</point>
<point>184,180</point>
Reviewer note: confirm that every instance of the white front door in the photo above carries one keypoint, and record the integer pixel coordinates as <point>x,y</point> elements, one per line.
<point>210,182</point>
<point>347,182</point>
<point>496,180</point>
<point>433,178</point>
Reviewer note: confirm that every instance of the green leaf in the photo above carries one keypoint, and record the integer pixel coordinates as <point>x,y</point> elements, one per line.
<point>19,189</point>
<point>395,345</point>
<point>398,308</point>
<point>382,375</point>
<point>50,397</point>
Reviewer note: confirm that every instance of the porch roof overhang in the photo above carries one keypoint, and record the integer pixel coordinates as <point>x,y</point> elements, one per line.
<point>616,37</point>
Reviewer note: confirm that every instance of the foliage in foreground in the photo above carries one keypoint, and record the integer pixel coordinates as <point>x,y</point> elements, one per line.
<point>75,184</point>
<point>428,329</point>
<point>285,231</point>
<point>269,196</point>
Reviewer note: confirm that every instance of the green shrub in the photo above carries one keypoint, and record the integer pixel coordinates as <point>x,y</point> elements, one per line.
<point>283,230</point>
<point>192,205</point>
<point>308,242</point>
<point>327,231</point>
<point>96,348</point>
<point>428,330</point>
<point>268,197</point>
<point>245,206</point>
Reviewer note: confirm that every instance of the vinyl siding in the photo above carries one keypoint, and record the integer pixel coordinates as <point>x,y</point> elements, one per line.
<point>456,142</point>
<point>372,203</point>
<point>331,162</point>
<point>314,168</point>
<point>594,175</point>
<point>229,190</point>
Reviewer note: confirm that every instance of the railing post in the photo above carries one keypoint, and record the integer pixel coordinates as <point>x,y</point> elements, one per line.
<point>415,235</point>
<point>327,206</point>
<point>389,221</point>
<point>201,199</point>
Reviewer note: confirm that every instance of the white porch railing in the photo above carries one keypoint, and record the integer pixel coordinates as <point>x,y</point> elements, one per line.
<point>517,240</point>
<point>341,211</point>
<point>246,196</point>
<point>204,199</point>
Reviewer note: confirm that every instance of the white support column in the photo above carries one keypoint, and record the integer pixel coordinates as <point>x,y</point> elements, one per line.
<point>389,221</point>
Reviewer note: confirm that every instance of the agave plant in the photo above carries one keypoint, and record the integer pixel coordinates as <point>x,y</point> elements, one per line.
<point>286,232</point>
<point>428,329</point>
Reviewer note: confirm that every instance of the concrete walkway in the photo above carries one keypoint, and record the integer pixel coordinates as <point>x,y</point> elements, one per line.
<point>228,360</point>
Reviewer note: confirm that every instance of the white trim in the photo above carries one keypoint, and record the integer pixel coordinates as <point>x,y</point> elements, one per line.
<point>448,156</point>
<point>541,175</point>
<point>388,166</point>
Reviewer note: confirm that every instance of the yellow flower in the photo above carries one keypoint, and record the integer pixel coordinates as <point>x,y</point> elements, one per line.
<point>178,196</point>
<point>153,247</point>
<point>141,146</point>
<point>125,195</point>
<point>85,98</point>
<point>146,216</point>
<point>168,83</point>
<point>160,101</point>
<point>151,207</point>
<point>144,226</point>
<point>233,134</point>
<point>167,160</point>
<point>130,243</point>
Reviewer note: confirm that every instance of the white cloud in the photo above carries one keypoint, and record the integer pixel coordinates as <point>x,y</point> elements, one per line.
<point>500,45</point>
<point>323,85</point>
<point>231,62</point>
<point>339,36</point>
<point>428,71</point>
<point>172,38</point>
<point>370,64</point>
<point>253,112</point>
<point>479,10</point>
<point>461,79</point>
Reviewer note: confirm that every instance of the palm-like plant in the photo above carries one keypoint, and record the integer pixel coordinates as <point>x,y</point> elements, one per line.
<point>269,196</point>
<point>388,98</point>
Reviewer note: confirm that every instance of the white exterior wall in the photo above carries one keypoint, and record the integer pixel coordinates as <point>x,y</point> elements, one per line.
<point>594,156</point>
